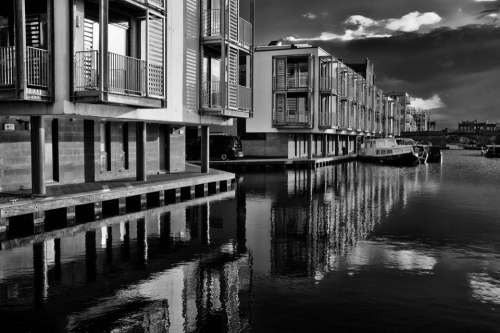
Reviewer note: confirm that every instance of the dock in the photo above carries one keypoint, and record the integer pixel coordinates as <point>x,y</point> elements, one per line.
<point>256,164</point>
<point>69,205</point>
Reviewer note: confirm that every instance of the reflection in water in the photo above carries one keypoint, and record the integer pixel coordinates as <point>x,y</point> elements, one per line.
<point>293,251</point>
<point>178,271</point>
<point>343,205</point>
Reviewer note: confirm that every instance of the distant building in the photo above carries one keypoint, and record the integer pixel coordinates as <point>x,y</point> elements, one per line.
<point>309,103</point>
<point>475,126</point>
<point>403,112</point>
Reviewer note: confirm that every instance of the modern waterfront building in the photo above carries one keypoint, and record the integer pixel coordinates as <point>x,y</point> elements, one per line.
<point>310,104</point>
<point>94,90</point>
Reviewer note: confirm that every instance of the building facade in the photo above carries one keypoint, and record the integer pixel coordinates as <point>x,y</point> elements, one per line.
<point>94,90</point>
<point>310,104</point>
<point>477,126</point>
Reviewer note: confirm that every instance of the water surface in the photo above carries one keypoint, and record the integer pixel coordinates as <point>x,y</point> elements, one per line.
<point>352,247</point>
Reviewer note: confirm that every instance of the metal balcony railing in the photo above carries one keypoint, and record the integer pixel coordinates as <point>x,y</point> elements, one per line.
<point>37,67</point>
<point>86,71</point>
<point>211,96</point>
<point>245,34</point>
<point>126,75</point>
<point>245,98</point>
<point>211,26</point>
<point>7,67</point>
<point>297,81</point>
<point>300,119</point>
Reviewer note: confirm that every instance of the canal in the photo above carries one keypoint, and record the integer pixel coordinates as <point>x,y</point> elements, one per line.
<point>348,247</point>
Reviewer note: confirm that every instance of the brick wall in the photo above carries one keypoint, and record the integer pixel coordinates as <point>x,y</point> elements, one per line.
<point>15,152</point>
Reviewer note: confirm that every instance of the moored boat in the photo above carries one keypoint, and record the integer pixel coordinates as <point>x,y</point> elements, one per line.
<point>388,151</point>
<point>492,151</point>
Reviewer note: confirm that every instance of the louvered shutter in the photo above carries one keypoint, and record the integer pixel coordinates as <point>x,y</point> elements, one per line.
<point>233,17</point>
<point>280,73</point>
<point>233,77</point>
<point>156,56</point>
<point>34,31</point>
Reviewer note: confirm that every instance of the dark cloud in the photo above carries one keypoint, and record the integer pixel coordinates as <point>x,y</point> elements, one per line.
<point>459,61</point>
<point>460,65</point>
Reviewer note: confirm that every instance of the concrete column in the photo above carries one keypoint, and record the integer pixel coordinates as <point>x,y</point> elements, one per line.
<point>141,151</point>
<point>205,149</point>
<point>337,142</point>
<point>310,146</point>
<point>37,156</point>
<point>40,274</point>
<point>91,255</point>
<point>324,147</point>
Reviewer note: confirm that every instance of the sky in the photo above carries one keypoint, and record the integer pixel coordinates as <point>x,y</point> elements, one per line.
<point>444,53</point>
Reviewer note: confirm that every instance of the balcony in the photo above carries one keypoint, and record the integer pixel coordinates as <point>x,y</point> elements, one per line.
<point>37,73</point>
<point>291,82</point>
<point>237,30</point>
<point>130,81</point>
<point>328,84</point>
<point>238,100</point>
<point>300,120</point>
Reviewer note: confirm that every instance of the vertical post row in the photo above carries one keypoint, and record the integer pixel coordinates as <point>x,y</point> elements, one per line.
<point>37,156</point>
<point>205,149</point>
<point>141,151</point>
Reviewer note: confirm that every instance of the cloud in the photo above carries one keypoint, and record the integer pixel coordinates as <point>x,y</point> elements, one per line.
<point>413,21</point>
<point>310,16</point>
<point>362,27</point>
<point>432,103</point>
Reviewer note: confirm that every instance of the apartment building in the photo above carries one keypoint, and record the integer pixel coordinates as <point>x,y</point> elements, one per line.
<point>95,90</point>
<point>310,104</point>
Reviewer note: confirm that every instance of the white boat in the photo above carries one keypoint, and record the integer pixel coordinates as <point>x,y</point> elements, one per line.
<point>388,151</point>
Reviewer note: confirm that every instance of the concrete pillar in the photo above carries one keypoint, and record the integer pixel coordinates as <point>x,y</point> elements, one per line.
<point>141,151</point>
<point>91,255</point>
<point>37,156</point>
<point>310,146</point>
<point>337,142</point>
<point>205,149</point>
<point>40,274</point>
<point>324,147</point>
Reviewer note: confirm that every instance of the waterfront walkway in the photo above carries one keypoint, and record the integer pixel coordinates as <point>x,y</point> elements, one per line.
<point>90,202</point>
<point>279,163</point>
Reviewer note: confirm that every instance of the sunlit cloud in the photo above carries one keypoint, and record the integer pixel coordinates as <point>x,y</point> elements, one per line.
<point>432,103</point>
<point>362,27</point>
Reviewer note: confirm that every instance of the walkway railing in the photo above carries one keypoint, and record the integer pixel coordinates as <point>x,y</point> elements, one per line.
<point>7,66</point>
